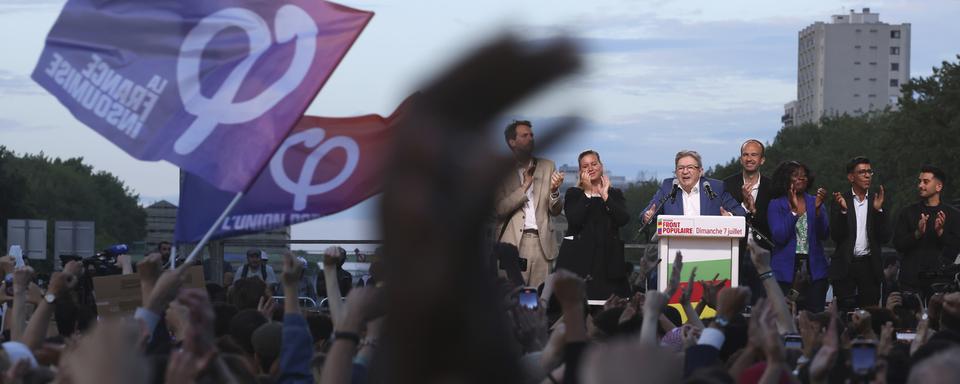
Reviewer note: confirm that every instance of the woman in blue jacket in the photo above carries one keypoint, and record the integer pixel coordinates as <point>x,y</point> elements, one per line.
<point>799,226</point>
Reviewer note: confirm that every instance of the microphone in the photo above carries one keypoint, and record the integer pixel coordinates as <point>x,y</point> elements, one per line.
<point>663,199</point>
<point>674,190</point>
<point>709,188</point>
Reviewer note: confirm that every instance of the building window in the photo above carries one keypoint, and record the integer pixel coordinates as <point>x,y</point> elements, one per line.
<point>856,63</point>
<point>856,95</point>
<point>894,66</point>
<point>895,34</point>
<point>856,46</point>
<point>859,30</point>
<point>873,63</point>
<point>873,31</point>
<point>856,79</point>
<point>894,50</point>
<point>871,96</point>
<point>873,47</point>
<point>894,82</point>
<point>873,79</point>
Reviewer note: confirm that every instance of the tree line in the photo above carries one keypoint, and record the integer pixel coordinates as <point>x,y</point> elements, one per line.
<point>40,187</point>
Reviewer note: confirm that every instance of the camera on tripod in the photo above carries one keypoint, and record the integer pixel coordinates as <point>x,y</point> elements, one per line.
<point>103,263</point>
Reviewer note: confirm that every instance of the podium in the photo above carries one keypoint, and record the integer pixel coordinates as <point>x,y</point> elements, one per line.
<point>709,243</point>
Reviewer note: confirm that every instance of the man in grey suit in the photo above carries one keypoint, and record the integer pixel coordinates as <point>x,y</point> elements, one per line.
<point>525,202</point>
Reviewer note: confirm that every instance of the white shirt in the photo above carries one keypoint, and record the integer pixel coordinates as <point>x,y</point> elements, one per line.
<point>530,207</point>
<point>861,246</point>
<point>691,201</point>
<point>712,337</point>
<point>753,192</point>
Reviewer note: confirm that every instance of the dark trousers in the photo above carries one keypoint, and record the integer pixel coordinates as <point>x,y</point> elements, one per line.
<point>860,288</point>
<point>813,296</point>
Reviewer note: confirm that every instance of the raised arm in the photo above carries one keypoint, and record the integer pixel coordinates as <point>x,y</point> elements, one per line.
<point>18,319</point>
<point>569,291</point>
<point>331,260</point>
<point>782,221</point>
<point>647,214</point>
<point>556,179</point>
<point>60,284</point>
<point>652,308</point>
<point>761,260</point>
<point>655,301</point>
<point>125,264</point>
<point>296,348</point>
<point>693,318</point>
<point>363,304</point>
<point>149,270</point>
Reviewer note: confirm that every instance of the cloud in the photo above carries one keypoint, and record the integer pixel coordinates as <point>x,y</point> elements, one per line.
<point>646,63</point>
<point>12,125</point>
<point>648,142</point>
<point>15,84</point>
<point>19,6</point>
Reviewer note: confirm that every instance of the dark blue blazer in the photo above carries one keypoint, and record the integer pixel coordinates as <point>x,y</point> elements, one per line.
<point>783,232</point>
<point>708,206</point>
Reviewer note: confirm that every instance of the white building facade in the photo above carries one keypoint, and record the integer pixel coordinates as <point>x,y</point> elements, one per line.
<point>853,65</point>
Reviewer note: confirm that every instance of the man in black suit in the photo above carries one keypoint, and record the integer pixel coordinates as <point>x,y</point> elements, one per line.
<point>859,227</point>
<point>752,190</point>
<point>926,234</point>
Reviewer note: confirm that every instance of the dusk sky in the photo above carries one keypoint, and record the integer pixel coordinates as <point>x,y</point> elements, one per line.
<point>660,76</point>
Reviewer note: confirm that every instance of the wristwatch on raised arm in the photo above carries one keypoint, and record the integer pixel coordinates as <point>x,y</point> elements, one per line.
<point>50,298</point>
<point>721,321</point>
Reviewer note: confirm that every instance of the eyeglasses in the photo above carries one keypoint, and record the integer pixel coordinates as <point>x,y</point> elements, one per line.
<point>691,168</point>
<point>864,172</point>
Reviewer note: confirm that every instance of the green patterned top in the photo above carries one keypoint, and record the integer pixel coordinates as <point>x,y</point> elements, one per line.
<point>803,246</point>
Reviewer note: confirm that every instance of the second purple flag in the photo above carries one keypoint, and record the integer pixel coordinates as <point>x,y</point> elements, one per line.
<point>211,86</point>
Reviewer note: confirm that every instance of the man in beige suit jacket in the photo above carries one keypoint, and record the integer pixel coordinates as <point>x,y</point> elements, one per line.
<point>526,200</point>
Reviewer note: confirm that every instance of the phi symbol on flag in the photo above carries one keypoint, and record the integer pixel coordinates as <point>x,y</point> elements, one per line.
<point>291,22</point>
<point>302,188</point>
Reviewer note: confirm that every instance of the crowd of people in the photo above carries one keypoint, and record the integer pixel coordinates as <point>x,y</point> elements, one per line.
<point>241,336</point>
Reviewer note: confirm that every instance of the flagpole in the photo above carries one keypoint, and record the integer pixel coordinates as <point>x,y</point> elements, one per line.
<point>213,228</point>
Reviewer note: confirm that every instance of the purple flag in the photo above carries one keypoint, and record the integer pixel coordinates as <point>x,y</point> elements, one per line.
<point>211,86</point>
<point>325,166</point>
